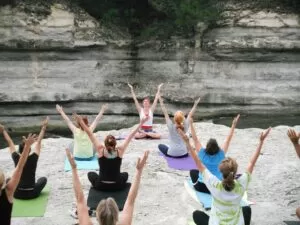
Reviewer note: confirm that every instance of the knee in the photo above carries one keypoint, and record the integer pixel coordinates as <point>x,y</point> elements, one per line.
<point>162,147</point>
<point>194,173</point>
<point>298,212</point>
<point>92,175</point>
<point>44,180</point>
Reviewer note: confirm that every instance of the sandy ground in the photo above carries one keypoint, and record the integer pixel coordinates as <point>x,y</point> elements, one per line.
<point>162,198</point>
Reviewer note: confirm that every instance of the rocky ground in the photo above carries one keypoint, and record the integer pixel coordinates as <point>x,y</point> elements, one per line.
<point>162,197</point>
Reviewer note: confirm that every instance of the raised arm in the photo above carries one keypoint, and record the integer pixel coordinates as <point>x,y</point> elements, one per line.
<point>137,104</point>
<point>193,109</point>
<point>255,155</point>
<point>11,145</point>
<point>163,108</point>
<point>186,140</point>
<point>98,118</point>
<point>71,126</point>
<point>91,135</point>
<point>82,209</point>
<point>230,135</point>
<point>41,136</point>
<point>15,178</point>
<point>197,143</point>
<point>123,147</point>
<point>129,204</point>
<point>153,107</point>
<point>295,140</point>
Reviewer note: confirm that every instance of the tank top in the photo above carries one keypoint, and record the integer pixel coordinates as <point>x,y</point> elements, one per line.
<point>110,168</point>
<point>83,147</point>
<point>5,208</point>
<point>27,180</point>
<point>148,124</point>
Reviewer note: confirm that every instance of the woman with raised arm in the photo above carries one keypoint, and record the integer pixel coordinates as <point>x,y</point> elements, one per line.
<point>82,145</point>
<point>147,110</point>
<point>228,193</point>
<point>177,148</point>
<point>110,159</point>
<point>295,141</point>
<point>107,212</point>
<point>28,188</point>
<point>211,156</point>
<point>8,186</point>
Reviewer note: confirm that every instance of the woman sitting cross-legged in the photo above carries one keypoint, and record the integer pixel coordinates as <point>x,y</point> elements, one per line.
<point>211,156</point>
<point>110,159</point>
<point>107,212</point>
<point>228,193</point>
<point>147,109</point>
<point>82,146</point>
<point>8,186</point>
<point>28,188</point>
<point>176,148</point>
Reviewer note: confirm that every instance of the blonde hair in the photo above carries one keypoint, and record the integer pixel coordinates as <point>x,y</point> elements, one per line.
<point>107,212</point>
<point>178,119</point>
<point>228,167</point>
<point>2,179</point>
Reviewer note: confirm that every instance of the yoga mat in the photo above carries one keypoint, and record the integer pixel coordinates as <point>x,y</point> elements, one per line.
<point>33,207</point>
<point>206,199</point>
<point>292,222</point>
<point>83,165</point>
<point>96,196</point>
<point>186,163</point>
<point>121,137</point>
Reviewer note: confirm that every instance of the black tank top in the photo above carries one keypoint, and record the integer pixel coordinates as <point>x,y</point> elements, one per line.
<point>5,208</point>
<point>28,175</point>
<point>110,168</point>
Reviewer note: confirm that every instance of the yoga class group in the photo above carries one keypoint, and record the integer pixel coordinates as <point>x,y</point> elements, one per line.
<point>215,174</point>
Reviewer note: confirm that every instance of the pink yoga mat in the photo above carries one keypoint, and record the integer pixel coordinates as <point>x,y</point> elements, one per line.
<point>186,163</point>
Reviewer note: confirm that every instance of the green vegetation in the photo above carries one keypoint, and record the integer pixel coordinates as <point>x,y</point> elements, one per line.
<point>152,19</point>
<point>156,18</point>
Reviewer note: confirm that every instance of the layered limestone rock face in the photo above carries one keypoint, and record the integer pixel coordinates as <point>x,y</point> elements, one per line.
<point>250,65</point>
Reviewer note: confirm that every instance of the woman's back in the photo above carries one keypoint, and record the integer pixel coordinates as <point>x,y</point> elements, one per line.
<point>212,162</point>
<point>177,146</point>
<point>110,167</point>
<point>226,208</point>
<point>83,147</point>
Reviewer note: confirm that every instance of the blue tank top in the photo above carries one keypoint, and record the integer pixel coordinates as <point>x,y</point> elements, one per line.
<point>211,162</point>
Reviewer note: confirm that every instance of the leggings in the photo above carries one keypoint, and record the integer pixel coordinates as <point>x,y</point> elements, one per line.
<point>164,149</point>
<point>199,186</point>
<point>30,194</point>
<point>99,185</point>
<point>201,218</point>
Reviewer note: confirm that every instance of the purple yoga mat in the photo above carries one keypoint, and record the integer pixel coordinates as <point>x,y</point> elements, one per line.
<point>186,163</point>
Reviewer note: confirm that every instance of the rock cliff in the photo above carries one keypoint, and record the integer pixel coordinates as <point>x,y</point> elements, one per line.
<point>250,64</point>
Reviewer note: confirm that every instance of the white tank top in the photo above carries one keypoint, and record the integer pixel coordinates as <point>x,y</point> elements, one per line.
<point>148,124</point>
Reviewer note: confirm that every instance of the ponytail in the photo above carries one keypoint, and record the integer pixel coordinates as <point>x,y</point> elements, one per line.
<point>228,182</point>
<point>110,143</point>
<point>179,119</point>
<point>228,168</point>
<point>180,126</point>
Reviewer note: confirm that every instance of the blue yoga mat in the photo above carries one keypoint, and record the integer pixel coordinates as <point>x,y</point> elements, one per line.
<point>83,165</point>
<point>204,198</point>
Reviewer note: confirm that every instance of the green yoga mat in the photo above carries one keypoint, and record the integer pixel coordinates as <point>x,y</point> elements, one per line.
<point>33,207</point>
